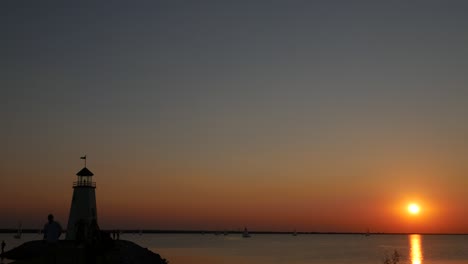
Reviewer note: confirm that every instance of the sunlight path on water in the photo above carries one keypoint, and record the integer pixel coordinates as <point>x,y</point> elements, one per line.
<point>415,249</point>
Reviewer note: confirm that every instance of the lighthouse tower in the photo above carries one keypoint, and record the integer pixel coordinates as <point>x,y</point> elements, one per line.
<point>83,204</point>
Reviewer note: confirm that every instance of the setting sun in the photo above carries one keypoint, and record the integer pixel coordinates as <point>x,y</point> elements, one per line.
<point>413,209</point>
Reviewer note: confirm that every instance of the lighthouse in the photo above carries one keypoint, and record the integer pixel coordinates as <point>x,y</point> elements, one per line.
<point>83,205</point>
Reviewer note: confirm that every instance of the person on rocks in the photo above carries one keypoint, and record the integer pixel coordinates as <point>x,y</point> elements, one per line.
<point>52,230</point>
<point>3,246</point>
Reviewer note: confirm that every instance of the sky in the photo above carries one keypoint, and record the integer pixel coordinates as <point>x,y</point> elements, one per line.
<point>273,115</point>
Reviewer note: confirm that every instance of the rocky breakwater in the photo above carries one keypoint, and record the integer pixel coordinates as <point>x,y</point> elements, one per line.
<point>64,252</point>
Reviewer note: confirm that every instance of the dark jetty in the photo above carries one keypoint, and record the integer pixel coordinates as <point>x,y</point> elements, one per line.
<point>119,251</point>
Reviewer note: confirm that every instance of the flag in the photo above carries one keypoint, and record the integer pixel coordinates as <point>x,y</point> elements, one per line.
<point>84,157</point>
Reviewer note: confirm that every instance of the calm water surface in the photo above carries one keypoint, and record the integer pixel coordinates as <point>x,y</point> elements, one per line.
<point>301,249</point>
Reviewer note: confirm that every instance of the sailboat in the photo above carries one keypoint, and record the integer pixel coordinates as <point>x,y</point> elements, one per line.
<point>294,233</point>
<point>368,232</point>
<point>19,232</point>
<point>246,233</point>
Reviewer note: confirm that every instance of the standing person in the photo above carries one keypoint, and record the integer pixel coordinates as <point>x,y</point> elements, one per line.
<point>3,246</point>
<point>52,230</point>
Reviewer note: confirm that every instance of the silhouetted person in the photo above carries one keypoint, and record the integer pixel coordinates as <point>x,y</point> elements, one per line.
<point>95,233</point>
<point>95,244</point>
<point>3,246</point>
<point>52,232</point>
<point>80,235</point>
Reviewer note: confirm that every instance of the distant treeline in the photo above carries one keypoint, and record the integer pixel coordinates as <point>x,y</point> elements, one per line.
<point>217,232</point>
<point>11,230</point>
<point>157,231</point>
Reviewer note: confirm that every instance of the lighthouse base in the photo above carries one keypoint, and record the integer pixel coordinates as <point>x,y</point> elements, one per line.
<point>83,214</point>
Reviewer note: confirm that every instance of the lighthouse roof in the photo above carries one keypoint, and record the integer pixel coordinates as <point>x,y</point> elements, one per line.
<point>84,172</point>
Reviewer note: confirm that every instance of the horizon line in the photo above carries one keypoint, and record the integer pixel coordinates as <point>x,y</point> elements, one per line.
<point>221,232</point>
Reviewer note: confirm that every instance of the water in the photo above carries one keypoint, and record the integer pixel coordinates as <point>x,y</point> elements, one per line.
<point>301,249</point>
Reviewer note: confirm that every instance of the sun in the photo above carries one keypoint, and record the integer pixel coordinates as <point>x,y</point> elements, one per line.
<point>414,209</point>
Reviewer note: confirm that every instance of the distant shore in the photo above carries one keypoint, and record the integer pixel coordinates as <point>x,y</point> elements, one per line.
<point>157,231</point>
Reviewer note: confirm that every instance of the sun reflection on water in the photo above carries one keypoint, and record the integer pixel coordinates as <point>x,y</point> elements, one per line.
<point>415,249</point>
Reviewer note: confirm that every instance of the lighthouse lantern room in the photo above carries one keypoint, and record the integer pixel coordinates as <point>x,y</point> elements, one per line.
<point>84,179</point>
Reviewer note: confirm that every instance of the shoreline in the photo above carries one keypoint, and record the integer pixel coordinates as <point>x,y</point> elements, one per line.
<point>156,231</point>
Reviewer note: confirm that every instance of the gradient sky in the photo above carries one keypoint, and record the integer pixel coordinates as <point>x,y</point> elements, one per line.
<point>275,115</point>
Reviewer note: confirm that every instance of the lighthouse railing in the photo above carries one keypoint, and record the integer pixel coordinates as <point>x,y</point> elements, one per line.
<point>84,183</point>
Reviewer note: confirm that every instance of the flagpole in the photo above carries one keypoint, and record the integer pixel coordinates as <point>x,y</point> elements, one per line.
<point>84,157</point>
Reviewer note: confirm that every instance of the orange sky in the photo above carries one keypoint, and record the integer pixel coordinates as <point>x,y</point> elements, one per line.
<point>281,196</point>
<point>306,115</point>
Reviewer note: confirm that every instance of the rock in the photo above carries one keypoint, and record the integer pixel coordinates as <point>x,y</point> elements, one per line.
<point>120,251</point>
<point>27,250</point>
